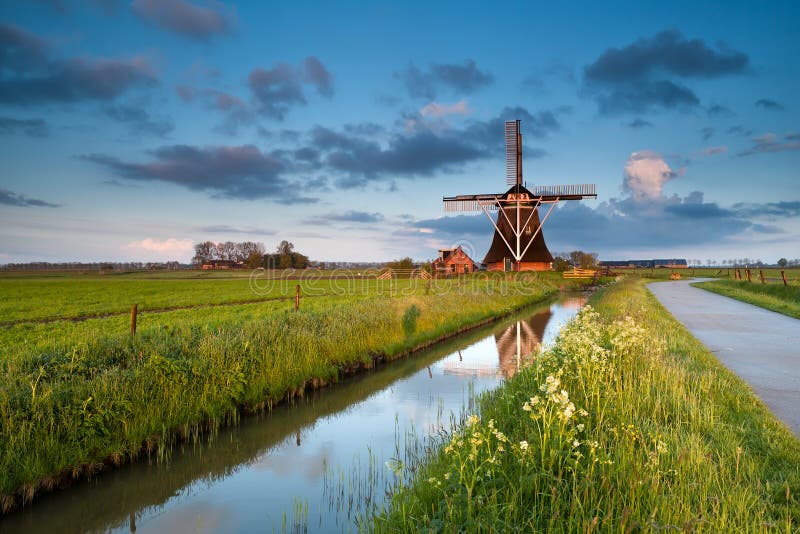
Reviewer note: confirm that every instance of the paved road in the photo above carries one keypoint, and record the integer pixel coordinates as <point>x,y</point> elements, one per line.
<point>760,346</point>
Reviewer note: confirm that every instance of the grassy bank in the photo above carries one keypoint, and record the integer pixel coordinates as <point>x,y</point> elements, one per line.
<point>71,403</point>
<point>775,297</point>
<point>627,424</point>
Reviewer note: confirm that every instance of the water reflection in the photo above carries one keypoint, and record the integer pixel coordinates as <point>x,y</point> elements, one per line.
<point>256,476</point>
<point>517,341</point>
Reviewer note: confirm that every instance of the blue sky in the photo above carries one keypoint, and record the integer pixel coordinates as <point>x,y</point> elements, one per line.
<point>132,129</point>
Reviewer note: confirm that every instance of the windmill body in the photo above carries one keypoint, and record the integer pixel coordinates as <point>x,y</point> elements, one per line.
<point>518,243</point>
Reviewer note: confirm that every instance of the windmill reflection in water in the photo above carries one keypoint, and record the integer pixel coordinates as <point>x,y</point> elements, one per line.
<point>517,344</point>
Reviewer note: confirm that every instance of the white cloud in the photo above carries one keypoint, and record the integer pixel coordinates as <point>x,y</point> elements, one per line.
<point>435,109</point>
<point>162,247</point>
<point>645,174</point>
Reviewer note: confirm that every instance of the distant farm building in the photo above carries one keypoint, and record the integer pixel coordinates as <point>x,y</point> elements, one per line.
<point>453,261</point>
<point>214,265</point>
<point>672,263</point>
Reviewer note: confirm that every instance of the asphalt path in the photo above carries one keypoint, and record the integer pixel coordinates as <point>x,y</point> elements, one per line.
<point>761,346</point>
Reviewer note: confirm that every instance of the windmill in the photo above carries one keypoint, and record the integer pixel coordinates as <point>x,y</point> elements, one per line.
<point>518,243</point>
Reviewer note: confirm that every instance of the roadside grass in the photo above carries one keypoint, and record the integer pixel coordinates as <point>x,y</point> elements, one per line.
<point>70,404</point>
<point>626,424</point>
<point>775,297</point>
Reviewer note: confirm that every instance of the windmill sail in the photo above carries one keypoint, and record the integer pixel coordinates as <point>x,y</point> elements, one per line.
<point>513,153</point>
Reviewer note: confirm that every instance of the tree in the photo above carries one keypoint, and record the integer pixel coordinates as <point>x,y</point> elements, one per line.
<point>583,260</point>
<point>299,261</point>
<point>285,258</point>
<point>783,262</point>
<point>254,260</point>
<point>285,247</point>
<point>248,247</point>
<point>203,252</point>
<point>284,261</point>
<point>560,264</point>
<point>228,251</point>
<point>402,263</point>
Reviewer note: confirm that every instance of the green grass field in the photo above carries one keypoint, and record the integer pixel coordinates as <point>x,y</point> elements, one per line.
<point>37,296</point>
<point>628,424</point>
<point>773,296</point>
<point>80,394</point>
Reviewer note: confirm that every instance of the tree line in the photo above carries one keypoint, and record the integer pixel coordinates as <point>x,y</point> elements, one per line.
<point>743,262</point>
<point>93,266</point>
<point>250,254</point>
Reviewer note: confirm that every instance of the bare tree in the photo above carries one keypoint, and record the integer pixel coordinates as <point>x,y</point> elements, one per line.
<point>203,252</point>
<point>583,260</point>
<point>285,247</point>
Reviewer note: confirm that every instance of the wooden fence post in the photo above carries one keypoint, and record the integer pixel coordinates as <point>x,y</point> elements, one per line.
<point>783,275</point>
<point>134,313</point>
<point>761,274</point>
<point>747,271</point>
<point>297,297</point>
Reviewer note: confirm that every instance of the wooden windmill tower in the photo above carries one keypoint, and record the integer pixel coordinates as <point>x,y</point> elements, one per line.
<point>518,243</point>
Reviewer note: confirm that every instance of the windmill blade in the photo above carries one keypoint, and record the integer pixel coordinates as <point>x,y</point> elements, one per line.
<point>512,152</point>
<point>565,191</point>
<point>471,203</point>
